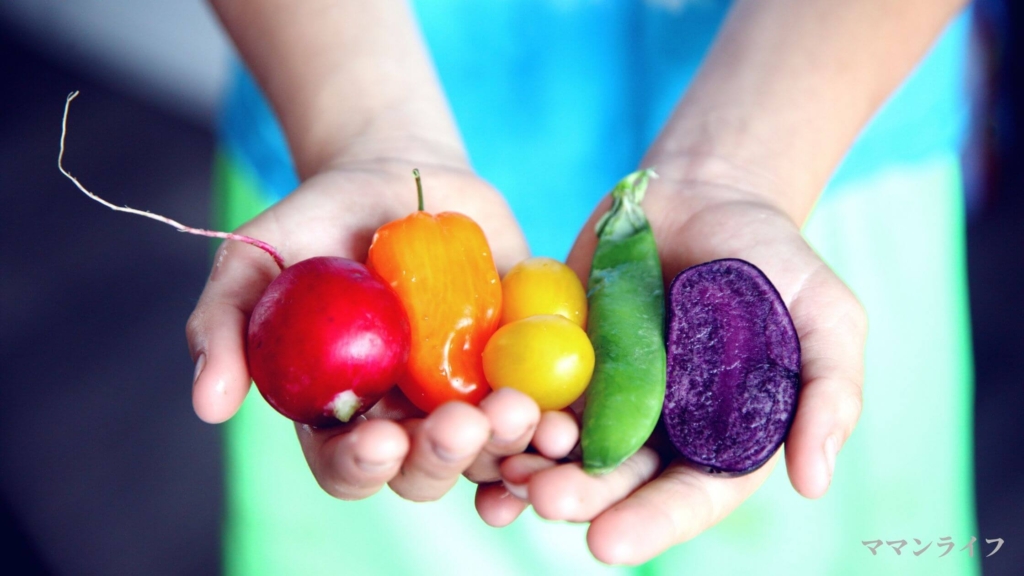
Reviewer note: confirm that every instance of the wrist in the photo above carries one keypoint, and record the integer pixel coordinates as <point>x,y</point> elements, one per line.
<point>700,179</point>
<point>347,80</point>
<point>398,148</point>
<point>416,128</point>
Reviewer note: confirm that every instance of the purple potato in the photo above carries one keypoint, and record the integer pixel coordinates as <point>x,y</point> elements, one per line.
<point>733,367</point>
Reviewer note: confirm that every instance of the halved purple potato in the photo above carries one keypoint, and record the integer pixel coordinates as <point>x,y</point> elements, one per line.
<point>733,367</point>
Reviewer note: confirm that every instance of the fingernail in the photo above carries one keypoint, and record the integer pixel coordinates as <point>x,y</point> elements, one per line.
<point>831,448</point>
<point>372,467</point>
<point>517,490</point>
<point>511,438</point>
<point>200,364</point>
<point>515,423</point>
<point>447,455</point>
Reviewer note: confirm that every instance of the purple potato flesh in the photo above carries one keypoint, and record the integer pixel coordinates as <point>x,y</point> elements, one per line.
<point>733,367</point>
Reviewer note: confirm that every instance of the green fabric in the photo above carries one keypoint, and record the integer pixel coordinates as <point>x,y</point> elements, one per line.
<point>897,239</point>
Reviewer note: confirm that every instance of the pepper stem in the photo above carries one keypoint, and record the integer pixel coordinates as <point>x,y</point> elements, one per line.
<point>419,187</point>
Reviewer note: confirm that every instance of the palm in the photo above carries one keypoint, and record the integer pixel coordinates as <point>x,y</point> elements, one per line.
<point>336,213</point>
<point>649,504</point>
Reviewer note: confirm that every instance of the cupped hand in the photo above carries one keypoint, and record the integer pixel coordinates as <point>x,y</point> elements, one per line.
<point>336,213</point>
<point>655,500</point>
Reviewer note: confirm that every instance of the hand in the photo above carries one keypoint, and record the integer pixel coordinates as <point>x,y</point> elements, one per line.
<point>336,213</point>
<point>654,501</point>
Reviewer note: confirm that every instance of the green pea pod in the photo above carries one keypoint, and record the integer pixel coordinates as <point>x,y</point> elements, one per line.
<point>626,296</point>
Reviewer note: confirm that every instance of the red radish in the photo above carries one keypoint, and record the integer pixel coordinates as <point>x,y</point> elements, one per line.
<point>326,340</point>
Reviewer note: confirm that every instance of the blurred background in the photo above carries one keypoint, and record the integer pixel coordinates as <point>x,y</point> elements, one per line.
<point>103,466</point>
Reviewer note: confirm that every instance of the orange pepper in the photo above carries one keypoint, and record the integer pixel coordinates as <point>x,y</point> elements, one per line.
<point>443,272</point>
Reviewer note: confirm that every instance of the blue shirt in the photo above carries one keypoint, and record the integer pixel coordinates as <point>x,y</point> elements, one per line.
<point>557,100</point>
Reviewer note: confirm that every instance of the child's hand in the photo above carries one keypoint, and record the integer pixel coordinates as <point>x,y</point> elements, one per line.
<point>653,502</point>
<point>336,213</point>
<point>419,456</point>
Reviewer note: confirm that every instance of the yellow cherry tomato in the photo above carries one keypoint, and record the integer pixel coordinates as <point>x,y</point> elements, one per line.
<point>546,357</point>
<point>543,286</point>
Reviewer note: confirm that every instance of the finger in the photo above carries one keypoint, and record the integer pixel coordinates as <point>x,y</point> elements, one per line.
<point>677,506</point>
<point>497,506</point>
<point>582,252</point>
<point>354,461</point>
<point>568,493</point>
<point>832,374</point>
<point>216,330</point>
<point>396,406</point>
<point>513,418</point>
<point>443,446</point>
<point>517,470</point>
<point>557,434</point>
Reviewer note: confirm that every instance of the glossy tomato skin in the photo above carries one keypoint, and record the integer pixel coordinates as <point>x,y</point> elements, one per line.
<point>547,357</point>
<point>326,341</point>
<point>538,286</point>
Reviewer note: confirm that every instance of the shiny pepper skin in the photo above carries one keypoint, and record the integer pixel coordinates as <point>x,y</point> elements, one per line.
<point>443,272</point>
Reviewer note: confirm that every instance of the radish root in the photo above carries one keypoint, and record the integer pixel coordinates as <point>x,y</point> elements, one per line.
<point>179,226</point>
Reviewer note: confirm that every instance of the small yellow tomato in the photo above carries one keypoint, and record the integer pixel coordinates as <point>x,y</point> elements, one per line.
<point>546,357</point>
<point>542,286</point>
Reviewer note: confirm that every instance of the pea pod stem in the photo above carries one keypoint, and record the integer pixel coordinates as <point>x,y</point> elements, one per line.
<point>626,217</point>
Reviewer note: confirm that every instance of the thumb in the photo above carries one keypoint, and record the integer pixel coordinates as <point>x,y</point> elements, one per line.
<point>216,330</point>
<point>833,326</point>
<point>582,252</point>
